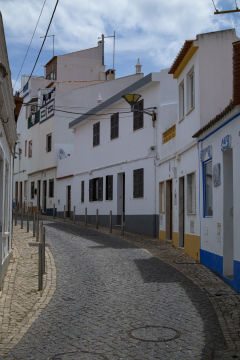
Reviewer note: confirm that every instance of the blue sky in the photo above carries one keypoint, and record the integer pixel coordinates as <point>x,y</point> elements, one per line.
<point>152,30</point>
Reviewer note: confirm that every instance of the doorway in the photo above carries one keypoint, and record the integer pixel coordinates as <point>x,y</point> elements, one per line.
<point>20,194</point>
<point>69,201</point>
<point>181,214</point>
<point>44,199</point>
<point>169,207</point>
<point>16,196</point>
<point>228,245</point>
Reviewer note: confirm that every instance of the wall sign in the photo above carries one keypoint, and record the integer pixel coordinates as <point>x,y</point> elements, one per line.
<point>208,151</point>
<point>226,143</point>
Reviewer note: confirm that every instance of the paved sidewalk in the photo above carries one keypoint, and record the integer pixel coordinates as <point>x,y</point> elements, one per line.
<point>21,303</point>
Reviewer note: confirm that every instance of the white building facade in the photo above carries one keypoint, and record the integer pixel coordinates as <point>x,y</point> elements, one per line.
<point>204,85</point>
<point>219,191</point>
<point>8,137</point>
<point>115,153</point>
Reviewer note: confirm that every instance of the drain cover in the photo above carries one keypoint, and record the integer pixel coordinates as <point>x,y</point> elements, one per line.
<point>78,355</point>
<point>155,333</point>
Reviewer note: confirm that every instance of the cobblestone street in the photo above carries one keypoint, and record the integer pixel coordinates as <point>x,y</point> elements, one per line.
<point>126,298</point>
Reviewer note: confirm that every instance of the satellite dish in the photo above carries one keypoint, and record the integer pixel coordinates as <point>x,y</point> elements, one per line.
<point>62,154</point>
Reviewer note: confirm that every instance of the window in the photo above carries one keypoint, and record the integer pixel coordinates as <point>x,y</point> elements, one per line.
<point>138,115</point>
<point>96,189</point>
<point>25,148</point>
<point>190,90</point>
<point>161,197</point>
<point>51,188</point>
<point>32,190</point>
<point>181,101</point>
<point>109,187</point>
<point>191,194</point>
<point>114,126</point>
<point>49,143</point>
<point>82,191</point>
<point>207,188</point>
<point>138,183</point>
<point>96,134</point>
<point>30,149</point>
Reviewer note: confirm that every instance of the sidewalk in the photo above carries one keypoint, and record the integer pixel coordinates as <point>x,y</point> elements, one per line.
<point>21,303</point>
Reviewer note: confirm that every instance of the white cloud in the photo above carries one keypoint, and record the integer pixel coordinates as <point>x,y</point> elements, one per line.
<point>155,28</point>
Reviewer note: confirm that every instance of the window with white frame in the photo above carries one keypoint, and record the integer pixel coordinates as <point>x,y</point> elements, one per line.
<point>207,188</point>
<point>181,101</point>
<point>191,193</point>
<point>96,189</point>
<point>190,90</point>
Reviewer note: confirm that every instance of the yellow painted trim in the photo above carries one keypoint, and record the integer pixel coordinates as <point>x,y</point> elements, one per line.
<point>192,246</point>
<point>191,51</point>
<point>162,235</point>
<point>175,239</point>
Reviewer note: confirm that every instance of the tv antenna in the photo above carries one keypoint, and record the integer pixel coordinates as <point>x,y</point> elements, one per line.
<point>226,11</point>
<point>105,37</point>
<point>53,40</point>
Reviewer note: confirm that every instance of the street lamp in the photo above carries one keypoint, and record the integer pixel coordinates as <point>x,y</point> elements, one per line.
<point>132,100</point>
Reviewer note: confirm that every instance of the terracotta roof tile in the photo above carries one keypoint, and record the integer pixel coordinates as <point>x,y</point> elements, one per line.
<point>180,56</point>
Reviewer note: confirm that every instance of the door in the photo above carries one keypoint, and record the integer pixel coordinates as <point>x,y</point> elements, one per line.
<point>181,212</point>
<point>228,247</point>
<point>38,195</point>
<point>69,201</point>
<point>44,197</point>
<point>169,207</point>
<point>120,196</point>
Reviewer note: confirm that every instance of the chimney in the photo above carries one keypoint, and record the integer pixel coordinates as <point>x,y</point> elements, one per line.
<point>110,74</point>
<point>138,67</point>
<point>99,100</point>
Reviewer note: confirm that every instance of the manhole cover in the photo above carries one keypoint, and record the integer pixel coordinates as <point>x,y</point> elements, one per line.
<point>78,355</point>
<point>155,333</point>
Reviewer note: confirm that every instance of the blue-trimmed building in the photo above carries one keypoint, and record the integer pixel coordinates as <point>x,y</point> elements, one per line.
<point>219,190</point>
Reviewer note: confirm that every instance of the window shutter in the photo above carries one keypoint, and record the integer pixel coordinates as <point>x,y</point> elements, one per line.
<point>100,189</point>
<point>110,187</point>
<point>138,116</point>
<point>140,182</point>
<point>91,189</point>
<point>135,183</point>
<point>82,191</point>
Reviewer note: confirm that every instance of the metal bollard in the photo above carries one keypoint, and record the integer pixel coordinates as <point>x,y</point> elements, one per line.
<point>34,223</point>
<point>43,244</point>
<point>54,210</point>
<point>40,270</point>
<point>110,230</point>
<point>64,213</point>
<point>40,230</point>
<point>74,214</point>
<point>85,216</point>
<point>27,220</point>
<point>37,229</point>
<point>97,219</point>
<point>122,227</point>
<point>22,219</point>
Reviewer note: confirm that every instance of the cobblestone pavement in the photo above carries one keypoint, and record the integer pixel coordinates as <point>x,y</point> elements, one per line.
<point>118,297</point>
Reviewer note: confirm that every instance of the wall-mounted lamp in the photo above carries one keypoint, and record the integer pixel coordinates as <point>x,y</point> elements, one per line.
<point>132,100</point>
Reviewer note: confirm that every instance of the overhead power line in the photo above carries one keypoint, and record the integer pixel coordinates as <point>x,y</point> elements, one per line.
<point>29,44</point>
<point>43,40</point>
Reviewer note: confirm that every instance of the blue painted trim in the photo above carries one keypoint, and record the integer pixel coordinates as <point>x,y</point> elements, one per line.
<point>234,117</point>
<point>214,262</point>
<point>25,95</point>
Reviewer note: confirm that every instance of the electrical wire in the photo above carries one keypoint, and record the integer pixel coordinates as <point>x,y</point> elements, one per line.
<point>214,5</point>
<point>29,44</point>
<point>43,41</point>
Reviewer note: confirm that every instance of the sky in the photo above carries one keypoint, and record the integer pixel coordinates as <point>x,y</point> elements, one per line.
<point>152,30</point>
